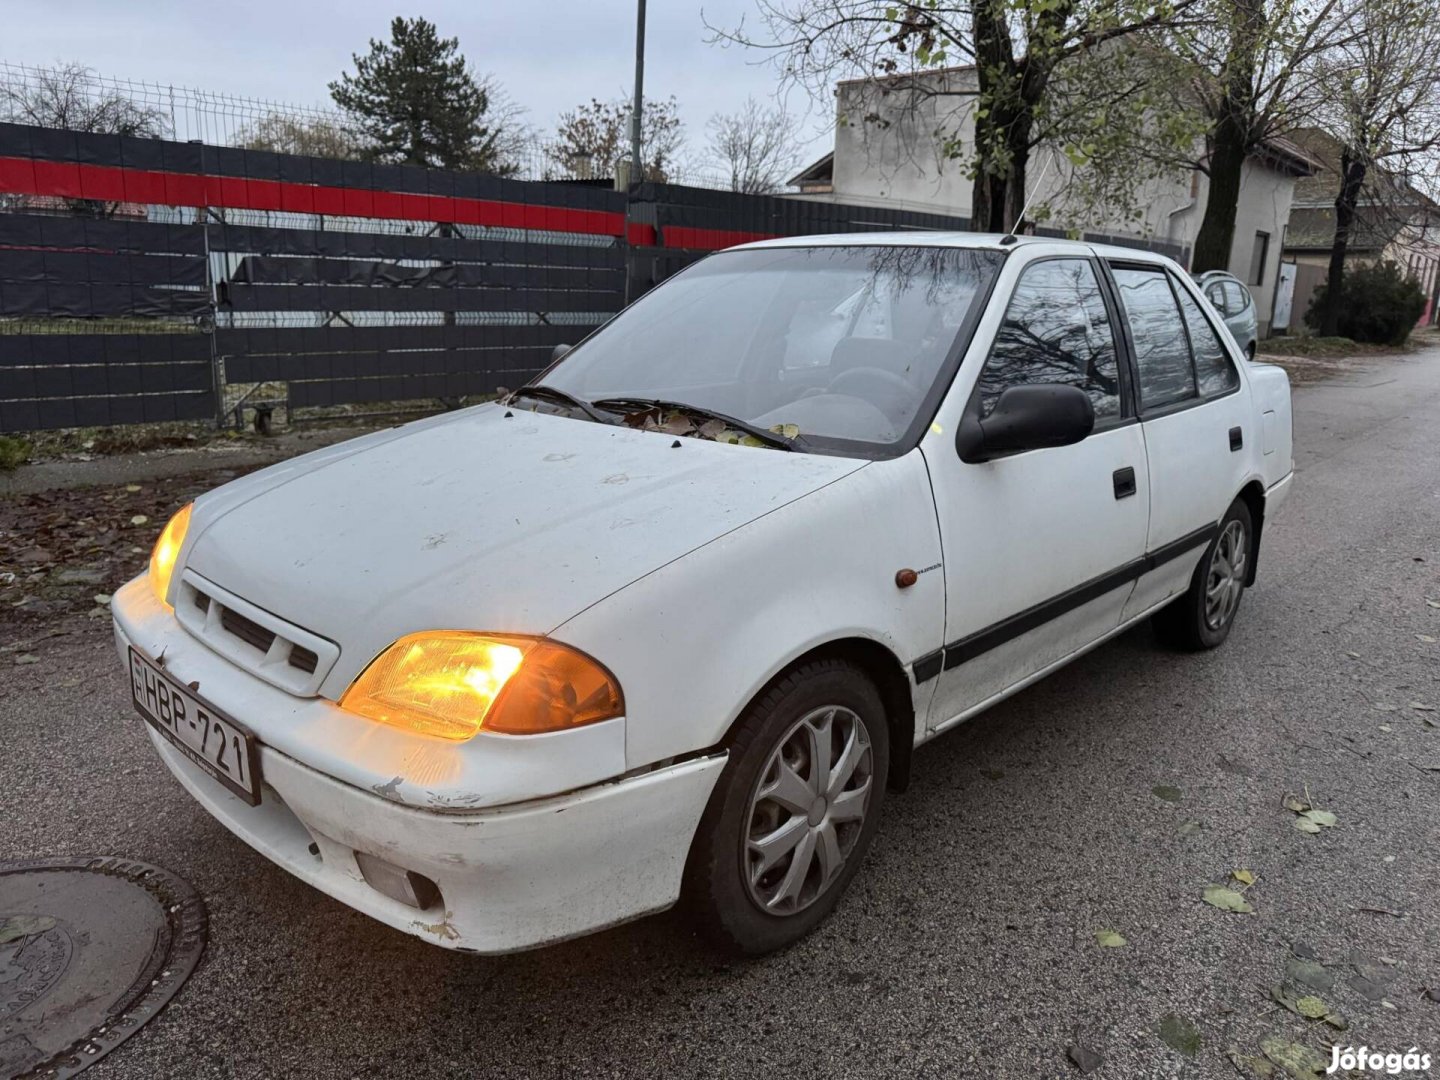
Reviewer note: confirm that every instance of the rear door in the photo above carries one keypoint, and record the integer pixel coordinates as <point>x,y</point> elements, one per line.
<point>1194,412</point>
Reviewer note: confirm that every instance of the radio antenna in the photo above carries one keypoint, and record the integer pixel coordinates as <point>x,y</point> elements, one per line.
<point>1034,192</point>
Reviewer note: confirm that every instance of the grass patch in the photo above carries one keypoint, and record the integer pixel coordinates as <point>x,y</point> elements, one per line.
<point>13,452</point>
<point>1326,347</point>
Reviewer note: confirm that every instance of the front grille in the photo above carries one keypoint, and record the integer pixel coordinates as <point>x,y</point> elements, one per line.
<point>247,631</point>
<point>219,622</point>
<point>303,659</point>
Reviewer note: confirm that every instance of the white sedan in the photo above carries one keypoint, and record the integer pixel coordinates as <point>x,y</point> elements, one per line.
<point>667,623</point>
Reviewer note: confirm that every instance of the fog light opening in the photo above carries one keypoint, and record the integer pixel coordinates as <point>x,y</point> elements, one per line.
<point>406,886</point>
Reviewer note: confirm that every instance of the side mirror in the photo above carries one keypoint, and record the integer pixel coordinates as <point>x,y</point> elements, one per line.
<point>1026,418</point>
<point>559,351</point>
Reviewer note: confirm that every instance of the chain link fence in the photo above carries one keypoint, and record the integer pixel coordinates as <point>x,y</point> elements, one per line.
<point>74,96</point>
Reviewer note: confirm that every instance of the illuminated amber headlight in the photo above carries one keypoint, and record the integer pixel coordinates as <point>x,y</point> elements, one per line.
<point>454,683</point>
<point>167,550</point>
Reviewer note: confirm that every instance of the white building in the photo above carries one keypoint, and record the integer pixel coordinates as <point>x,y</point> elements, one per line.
<point>893,144</point>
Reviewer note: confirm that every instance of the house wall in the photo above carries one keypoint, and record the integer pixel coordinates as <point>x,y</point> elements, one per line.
<point>887,153</point>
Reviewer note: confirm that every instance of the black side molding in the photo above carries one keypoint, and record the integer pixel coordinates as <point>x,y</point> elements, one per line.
<point>991,637</point>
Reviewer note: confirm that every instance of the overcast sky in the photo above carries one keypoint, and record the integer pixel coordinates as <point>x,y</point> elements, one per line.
<point>549,57</point>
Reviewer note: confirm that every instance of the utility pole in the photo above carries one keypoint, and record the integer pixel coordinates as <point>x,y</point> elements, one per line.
<point>637,108</point>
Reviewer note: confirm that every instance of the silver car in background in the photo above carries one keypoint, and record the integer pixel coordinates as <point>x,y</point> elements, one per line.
<point>1234,303</point>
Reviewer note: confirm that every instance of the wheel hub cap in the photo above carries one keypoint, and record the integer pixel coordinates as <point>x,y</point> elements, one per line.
<point>807,810</point>
<point>1225,580</point>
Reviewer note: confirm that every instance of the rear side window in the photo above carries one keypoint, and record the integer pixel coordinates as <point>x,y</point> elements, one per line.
<point>1216,295</point>
<point>1056,330</point>
<point>1237,298</point>
<point>1162,349</point>
<point>1213,371</point>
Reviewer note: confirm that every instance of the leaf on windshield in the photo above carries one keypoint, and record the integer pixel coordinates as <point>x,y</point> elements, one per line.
<point>677,424</point>
<point>789,431</point>
<point>711,429</point>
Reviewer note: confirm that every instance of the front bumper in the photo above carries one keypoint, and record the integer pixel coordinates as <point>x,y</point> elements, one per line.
<point>509,877</point>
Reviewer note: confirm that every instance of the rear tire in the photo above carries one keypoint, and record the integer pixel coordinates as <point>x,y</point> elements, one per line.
<point>1202,617</point>
<point>793,812</point>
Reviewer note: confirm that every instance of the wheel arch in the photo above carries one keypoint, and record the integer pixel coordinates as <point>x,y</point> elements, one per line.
<point>1253,496</point>
<point>892,681</point>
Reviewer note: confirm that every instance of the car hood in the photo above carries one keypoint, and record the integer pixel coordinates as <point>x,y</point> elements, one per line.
<point>488,519</point>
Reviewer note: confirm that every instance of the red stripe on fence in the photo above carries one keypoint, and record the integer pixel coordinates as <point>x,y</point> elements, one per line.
<point>24,176</point>
<point>710,239</point>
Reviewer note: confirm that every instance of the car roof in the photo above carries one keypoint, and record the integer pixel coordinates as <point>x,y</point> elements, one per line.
<point>973,241</point>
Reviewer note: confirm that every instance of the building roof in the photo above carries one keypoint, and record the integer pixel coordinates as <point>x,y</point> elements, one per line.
<point>818,172</point>
<point>1312,228</point>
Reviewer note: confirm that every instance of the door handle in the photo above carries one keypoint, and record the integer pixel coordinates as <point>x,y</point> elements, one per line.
<point>1237,439</point>
<point>1124,482</point>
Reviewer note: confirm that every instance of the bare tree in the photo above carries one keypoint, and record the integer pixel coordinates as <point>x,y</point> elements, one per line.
<point>1014,48</point>
<point>1383,109</point>
<point>74,98</point>
<point>755,145</point>
<point>317,136</point>
<point>594,137</point>
<point>1253,67</point>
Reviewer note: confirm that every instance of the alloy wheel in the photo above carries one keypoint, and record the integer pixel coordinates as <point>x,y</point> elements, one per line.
<point>1225,580</point>
<point>807,810</point>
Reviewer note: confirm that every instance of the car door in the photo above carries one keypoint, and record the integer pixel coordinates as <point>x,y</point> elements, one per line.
<point>1040,548</point>
<point>1193,411</point>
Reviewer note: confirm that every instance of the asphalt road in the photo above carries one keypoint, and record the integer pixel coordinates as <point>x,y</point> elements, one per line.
<point>966,947</point>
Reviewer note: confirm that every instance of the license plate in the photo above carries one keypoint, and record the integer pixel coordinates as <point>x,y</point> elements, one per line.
<point>209,738</point>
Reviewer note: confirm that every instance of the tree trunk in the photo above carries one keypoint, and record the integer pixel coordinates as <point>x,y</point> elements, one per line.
<point>1234,136</point>
<point>1352,176</point>
<point>995,73</point>
<point>1217,229</point>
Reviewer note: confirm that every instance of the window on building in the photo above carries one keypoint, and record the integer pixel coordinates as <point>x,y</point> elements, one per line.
<point>1056,330</point>
<point>1258,257</point>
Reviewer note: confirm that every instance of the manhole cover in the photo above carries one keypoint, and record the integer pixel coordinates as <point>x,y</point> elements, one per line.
<point>90,949</point>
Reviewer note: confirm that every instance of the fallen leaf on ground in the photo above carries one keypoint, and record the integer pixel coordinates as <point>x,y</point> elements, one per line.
<point>1179,1034</point>
<point>1429,639</point>
<point>1305,825</point>
<point>1244,877</point>
<point>1257,1066</point>
<point>1226,899</point>
<point>27,658</point>
<point>1109,939</point>
<point>1166,792</point>
<point>102,598</point>
<point>132,488</point>
<point>22,926</point>
<point>1300,1061</point>
<point>1311,1007</point>
<point>139,519</point>
<point>1190,828</point>
<point>1321,817</point>
<point>1297,805</point>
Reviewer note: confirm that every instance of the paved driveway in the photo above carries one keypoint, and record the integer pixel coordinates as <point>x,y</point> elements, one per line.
<point>967,946</point>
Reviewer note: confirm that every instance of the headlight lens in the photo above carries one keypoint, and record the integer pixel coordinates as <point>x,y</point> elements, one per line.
<point>167,550</point>
<point>454,683</point>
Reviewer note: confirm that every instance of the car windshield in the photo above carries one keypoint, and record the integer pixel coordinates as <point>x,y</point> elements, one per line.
<point>838,348</point>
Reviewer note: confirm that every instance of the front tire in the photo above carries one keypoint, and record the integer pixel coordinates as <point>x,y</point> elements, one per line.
<point>1202,617</point>
<point>794,811</point>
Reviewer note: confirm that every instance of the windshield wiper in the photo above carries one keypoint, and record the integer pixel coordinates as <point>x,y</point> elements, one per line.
<point>542,392</point>
<point>769,438</point>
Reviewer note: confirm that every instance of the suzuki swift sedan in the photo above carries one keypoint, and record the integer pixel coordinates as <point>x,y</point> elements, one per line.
<point>667,623</point>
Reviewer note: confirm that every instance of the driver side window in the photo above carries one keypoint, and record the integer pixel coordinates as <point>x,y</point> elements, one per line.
<point>1056,330</point>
